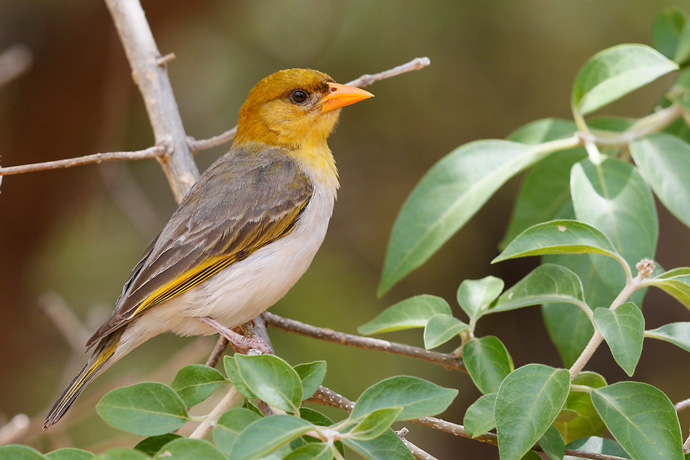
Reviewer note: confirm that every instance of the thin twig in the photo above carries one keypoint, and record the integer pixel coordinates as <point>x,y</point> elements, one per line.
<point>218,351</point>
<point>448,361</point>
<point>14,61</point>
<point>327,397</point>
<point>231,399</point>
<point>72,329</point>
<point>365,80</point>
<point>644,269</point>
<point>15,429</point>
<point>682,405</point>
<point>151,152</point>
<point>330,398</point>
<point>215,141</point>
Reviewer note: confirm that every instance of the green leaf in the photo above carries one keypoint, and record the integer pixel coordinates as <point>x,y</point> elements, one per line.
<point>674,282</point>
<point>386,447</point>
<point>596,445</point>
<point>527,403</point>
<point>316,451</point>
<point>531,455</point>
<point>69,453</point>
<point>623,330</point>
<point>124,454</point>
<point>666,31</point>
<point>375,423</point>
<point>641,418</point>
<point>450,193</point>
<point>196,382</point>
<point>17,452</point>
<point>680,94</point>
<point>568,326</point>
<point>266,435</point>
<point>558,237</point>
<point>488,362</point>
<point>235,377</point>
<point>230,425</point>
<point>545,192</point>
<point>412,312</point>
<point>545,284</point>
<point>544,130</point>
<point>615,72</point>
<point>479,417</point>
<point>675,333</point>
<point>553,444</point>
<point>312,375</point>
<point>272,380</point>
<point>189,449</point>
<point>150,446</point>
<point>146,409</point>
<point>613,197</point>
<point>586,421</point>
<point>319,419</point>
<point>474,296</point>
<point>440,329</point>
<point>664,162</point>
<point>417,398</point>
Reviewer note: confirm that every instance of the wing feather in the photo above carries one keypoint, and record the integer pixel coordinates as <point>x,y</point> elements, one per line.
<point>244,201</point>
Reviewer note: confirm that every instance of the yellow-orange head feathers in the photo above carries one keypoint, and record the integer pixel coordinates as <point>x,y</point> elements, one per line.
<point>294,108</point>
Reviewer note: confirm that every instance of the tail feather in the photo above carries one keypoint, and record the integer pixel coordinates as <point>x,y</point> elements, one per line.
<point>97,363</point>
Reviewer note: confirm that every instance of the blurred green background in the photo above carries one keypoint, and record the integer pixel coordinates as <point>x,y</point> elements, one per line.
<point>75,234</point>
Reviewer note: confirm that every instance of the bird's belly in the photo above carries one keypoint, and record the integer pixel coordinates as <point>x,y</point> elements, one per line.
<point>246,288</point>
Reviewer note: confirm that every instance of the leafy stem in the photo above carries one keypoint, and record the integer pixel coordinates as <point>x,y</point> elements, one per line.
<point>644,269</point>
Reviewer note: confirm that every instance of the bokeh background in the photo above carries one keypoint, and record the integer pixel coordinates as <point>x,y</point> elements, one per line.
<point>68,238</point>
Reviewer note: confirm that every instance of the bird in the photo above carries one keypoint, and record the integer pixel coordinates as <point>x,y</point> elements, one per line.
<point>245,232</point>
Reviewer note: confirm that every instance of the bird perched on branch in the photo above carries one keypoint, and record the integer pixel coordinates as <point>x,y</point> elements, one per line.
<point>245,232</point>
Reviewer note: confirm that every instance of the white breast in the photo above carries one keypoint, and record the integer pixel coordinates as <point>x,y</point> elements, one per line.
<point>244,289</point>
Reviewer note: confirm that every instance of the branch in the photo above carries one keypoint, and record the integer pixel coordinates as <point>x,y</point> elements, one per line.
<point>151,152</point>
<point>15,429</point>
<point>330,398</point>
<point>361,82</point>
<point>231,399</point>
<point>449,361</point>
<point>151,76</point>
<point>366,80</point>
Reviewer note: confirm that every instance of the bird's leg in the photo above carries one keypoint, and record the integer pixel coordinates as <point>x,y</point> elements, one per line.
<point>239,343</point>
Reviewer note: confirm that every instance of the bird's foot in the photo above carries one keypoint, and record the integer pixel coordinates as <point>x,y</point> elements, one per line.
<point>238,342</point>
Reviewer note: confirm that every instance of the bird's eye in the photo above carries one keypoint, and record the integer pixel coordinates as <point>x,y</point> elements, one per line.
<point>298,96</point>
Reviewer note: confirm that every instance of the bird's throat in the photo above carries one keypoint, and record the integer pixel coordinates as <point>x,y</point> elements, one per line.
<point>318,162</point>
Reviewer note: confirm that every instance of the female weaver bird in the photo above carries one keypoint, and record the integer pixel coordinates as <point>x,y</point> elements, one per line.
<point>245,232</point>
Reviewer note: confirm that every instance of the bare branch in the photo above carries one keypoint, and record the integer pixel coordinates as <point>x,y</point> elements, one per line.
<point>682,405</point>
<point>154,84</point>
<point>55,307</point>
<point>218,351</point>
<point>215,141</point>
<point>14,61</point>
<point>231,399</point>
<point>151,152</point>
<point>448,361</point>
<point>364,80</point>
<point>15,429</point>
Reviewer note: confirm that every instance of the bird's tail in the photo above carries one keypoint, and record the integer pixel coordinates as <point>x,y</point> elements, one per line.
<point>98,362</point>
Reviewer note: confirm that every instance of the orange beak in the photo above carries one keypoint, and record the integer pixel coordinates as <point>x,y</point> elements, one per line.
<point>342,95</point>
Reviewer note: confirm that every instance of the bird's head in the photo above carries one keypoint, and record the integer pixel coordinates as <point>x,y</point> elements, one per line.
<point>293,108</point>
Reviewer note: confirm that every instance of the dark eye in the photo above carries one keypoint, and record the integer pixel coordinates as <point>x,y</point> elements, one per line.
<point>298,96</point>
